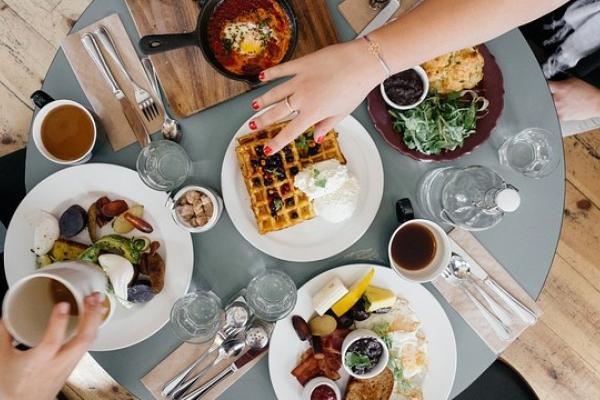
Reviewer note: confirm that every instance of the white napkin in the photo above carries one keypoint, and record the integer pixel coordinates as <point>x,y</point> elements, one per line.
<point>466,245</point>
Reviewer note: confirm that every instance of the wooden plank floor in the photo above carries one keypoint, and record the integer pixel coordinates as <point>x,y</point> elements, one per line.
<point>560,356</point>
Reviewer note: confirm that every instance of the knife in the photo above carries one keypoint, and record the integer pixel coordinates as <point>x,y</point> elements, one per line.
<point>381,18</point>
<point>524,312</point>
<point>133,118</point>
<point>239,363</point>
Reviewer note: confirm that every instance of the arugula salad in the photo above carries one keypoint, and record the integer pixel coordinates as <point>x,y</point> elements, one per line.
<point>441,122</point>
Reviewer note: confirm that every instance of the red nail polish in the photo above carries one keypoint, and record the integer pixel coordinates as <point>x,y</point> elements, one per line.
<point>261,76</point>
<point>255,105</point>
<point>267,150</point>
<point>319,140</point>
<point>252,125</point>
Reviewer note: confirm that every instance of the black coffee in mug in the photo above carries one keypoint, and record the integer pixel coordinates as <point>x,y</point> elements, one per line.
<point>413,247</point>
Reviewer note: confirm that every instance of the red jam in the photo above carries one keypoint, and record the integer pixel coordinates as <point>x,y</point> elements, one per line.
<point>323,392</point>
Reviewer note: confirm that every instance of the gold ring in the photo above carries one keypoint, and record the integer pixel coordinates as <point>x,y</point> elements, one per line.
<point>289,106</point>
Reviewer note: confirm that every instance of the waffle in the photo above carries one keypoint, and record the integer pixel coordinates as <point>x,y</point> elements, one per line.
<point>276,203</point>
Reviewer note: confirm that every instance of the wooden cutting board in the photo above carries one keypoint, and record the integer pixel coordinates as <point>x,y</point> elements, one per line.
<point>189,82</point>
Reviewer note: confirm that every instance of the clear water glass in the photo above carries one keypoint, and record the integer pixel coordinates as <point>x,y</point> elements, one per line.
<point>164,165</point>
<point>530,152</point>
<point>197,316</point>
<point>272,295</point>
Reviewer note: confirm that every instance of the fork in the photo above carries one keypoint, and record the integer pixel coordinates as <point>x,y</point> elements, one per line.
<point>143,99</point>
<point>175,382</point>
<point>497,325</point>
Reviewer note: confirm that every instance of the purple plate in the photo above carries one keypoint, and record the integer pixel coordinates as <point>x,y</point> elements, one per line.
<point>492,88</point>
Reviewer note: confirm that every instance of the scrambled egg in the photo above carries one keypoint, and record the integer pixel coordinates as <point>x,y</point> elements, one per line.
<point>455,71</point>
<point>247,38</point>
<point>400,329</point>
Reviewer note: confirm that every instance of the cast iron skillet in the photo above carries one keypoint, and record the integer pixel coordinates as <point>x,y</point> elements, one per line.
<point>153,44</point>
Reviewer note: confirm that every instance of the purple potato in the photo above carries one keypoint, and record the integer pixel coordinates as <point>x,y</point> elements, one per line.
<point>72,221</point>
<point>140,292</point>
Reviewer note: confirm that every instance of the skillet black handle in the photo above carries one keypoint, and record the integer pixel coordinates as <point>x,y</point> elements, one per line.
<point>153,44</point>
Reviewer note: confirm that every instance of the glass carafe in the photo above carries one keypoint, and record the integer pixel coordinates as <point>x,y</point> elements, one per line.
<point>474,198</point>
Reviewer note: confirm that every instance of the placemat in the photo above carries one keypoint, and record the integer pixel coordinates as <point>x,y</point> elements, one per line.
<point>465,244</point>
<point>358,13</point>
<point>106,107</point>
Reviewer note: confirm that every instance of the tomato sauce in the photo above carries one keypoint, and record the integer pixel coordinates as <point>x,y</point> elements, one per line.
<point>274,36</point>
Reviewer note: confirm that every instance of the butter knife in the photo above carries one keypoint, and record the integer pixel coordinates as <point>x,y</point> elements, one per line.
<point>523,312</point>
<point>381,18</point>
<point>239,363</point>
<point>133,118</point>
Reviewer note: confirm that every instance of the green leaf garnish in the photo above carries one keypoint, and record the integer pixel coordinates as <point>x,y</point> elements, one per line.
<point>356,360</point>
<point>302,142</point>
<point>321,183</point>
<point>278,203</point>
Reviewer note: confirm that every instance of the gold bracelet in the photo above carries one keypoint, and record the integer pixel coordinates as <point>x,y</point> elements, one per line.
<point>375,50</point>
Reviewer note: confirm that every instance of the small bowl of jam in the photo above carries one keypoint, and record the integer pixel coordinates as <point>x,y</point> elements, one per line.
<point>364,354</point>
<point>406,89</point>
<point>321,389</point>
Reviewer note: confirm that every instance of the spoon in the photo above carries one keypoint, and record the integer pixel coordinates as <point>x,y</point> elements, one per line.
<point>462,271</point>
<point>257,338</point>
<point>170,127</point>
<point>237,316</point>
<point>524,312</point>
<point>501,329</point>
<point>230,348</point>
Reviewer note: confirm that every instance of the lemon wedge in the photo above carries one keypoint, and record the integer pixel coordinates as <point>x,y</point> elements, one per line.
<point>354,294</point>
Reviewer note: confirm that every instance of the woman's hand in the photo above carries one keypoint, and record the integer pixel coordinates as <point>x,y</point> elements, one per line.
<point>575,99</point>
<point>325,87</point>
<point>40,373</point>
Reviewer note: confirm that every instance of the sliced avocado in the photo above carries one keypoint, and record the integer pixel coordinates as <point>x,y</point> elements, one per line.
<point>119,245</point>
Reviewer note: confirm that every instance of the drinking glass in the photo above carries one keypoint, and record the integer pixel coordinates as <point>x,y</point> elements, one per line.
<point>163,165</point>
<point>530,152</point>
<point>271,295</point>
<point>197,316</point>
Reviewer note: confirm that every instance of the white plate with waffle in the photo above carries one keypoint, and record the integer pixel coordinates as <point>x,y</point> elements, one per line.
<point>314,239</point>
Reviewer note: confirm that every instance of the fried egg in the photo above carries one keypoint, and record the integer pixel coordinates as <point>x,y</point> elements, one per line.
<point>401,329</point>
<point>247,38</point>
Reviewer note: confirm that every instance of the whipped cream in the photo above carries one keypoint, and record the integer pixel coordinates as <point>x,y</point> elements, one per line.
<point>332,188</point>
<point>321,179</point>
<point>339,205</point>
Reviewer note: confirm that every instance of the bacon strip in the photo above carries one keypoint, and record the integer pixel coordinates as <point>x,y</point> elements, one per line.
<point>312,366</point>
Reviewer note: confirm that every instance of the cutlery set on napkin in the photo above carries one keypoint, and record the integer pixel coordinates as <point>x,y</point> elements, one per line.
<point>123,91</point>
<point>203,371</point>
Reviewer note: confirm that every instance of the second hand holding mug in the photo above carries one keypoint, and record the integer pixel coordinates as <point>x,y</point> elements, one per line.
<point>29,302</point>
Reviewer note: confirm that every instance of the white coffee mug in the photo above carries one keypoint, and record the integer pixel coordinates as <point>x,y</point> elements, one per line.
<point>28,303</point>
<point>46,105</point>
<point>439,261</point>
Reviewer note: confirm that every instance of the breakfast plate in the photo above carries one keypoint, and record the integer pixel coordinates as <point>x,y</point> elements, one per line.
<point>315,239</point>
<point>83,185</point>
<point>286,349</point>
<point>491,87</point>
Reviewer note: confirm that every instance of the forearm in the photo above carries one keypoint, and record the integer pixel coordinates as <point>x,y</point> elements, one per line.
<point>439,26</point>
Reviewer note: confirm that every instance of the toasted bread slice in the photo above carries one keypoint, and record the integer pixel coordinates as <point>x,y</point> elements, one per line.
<point>377,388</point>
